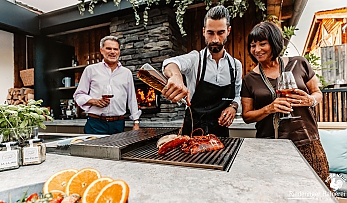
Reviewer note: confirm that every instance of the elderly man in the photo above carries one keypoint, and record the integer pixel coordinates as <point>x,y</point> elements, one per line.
<point>105,89</point>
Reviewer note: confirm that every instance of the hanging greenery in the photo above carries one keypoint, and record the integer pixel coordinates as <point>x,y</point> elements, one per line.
<point>236,8</point>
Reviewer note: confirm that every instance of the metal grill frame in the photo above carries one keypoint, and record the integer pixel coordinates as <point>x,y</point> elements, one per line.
<point>219,160</point>
<point>113,146</point>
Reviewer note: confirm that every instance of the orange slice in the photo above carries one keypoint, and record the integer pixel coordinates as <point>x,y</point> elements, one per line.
<point>116,191</point>
<point>58,181</point>
<point>79,182</point>
<point>94,189</point>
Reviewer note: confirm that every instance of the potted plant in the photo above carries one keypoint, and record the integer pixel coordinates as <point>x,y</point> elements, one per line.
<point>17,122</point>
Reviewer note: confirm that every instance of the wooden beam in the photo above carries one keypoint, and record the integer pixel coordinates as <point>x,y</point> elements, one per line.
<point>274,7</point>
<point>331,15</point>
<point>287,12</point>
<point>19,50</point>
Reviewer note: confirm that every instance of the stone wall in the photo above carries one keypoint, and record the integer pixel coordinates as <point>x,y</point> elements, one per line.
<point>159,40</point>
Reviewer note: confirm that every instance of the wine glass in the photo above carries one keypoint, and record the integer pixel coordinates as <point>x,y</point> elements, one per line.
<point>286,85</point>
<point>107,94</point>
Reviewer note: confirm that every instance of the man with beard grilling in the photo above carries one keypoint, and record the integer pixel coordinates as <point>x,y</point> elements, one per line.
<point>213,79</point>
<point>106,115</point>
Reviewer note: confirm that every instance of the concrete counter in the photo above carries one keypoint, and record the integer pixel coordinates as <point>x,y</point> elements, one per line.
<point>237,129</point>
<point>263,171</point>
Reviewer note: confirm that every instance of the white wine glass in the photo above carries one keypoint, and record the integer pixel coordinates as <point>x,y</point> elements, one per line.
<point>286,85</point>
<point>107,93</point>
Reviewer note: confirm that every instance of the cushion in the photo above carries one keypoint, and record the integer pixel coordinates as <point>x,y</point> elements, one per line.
<point>335,147</point>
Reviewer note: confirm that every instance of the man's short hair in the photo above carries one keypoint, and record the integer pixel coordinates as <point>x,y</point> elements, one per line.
<point>112,38</point>
<point>217,13</point>
<point>270,32</point>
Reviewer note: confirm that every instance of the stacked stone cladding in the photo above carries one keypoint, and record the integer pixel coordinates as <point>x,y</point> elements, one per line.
<point>152,44</point>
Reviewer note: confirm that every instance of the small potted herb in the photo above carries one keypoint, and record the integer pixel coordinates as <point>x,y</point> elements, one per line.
<point>18,121</point>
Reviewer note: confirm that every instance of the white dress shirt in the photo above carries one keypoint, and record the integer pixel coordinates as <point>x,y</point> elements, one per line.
<point>95,77</point>
<point>217,74</point>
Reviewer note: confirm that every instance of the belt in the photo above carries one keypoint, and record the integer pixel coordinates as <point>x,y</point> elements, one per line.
<point>106,118</point>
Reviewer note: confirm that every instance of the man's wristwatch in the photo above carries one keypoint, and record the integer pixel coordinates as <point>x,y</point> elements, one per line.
<point>234,105</point>
<point>136,121</point>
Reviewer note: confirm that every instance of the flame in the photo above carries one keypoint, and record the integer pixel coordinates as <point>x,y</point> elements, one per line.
<point>148,100</point>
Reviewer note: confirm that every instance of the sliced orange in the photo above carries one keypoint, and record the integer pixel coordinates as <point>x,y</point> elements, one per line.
<point>58,181</point>
<point>79,182</point>
<point>116,191</point>
<point>94,189</point>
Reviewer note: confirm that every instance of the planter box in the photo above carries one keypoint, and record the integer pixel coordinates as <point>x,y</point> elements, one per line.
<point>17,193</point>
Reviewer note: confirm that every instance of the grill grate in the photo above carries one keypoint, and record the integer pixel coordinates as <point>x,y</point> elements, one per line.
<point>220,159</point>
<point>113,146</point>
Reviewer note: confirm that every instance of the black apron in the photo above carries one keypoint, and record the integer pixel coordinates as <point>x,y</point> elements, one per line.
<point>208,101</point>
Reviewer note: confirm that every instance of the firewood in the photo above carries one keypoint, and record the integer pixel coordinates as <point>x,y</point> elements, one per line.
<point>28,91</point>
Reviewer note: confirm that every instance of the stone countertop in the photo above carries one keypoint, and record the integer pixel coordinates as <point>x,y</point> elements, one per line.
<point>263,171</point>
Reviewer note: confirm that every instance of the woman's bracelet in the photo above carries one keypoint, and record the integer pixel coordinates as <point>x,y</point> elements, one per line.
<point>314,102</point>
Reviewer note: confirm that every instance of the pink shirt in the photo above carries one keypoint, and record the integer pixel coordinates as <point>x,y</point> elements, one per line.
<point>95,77</point>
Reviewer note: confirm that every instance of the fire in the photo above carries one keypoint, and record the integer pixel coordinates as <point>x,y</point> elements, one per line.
<point>145,97</point>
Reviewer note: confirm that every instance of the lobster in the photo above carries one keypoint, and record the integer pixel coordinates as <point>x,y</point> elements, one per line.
<point>189,144</point>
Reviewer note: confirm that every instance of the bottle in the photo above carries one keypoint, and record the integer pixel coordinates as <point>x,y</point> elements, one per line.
<point>52,113</point>
<point>155,79</point>
<point>73,61</point>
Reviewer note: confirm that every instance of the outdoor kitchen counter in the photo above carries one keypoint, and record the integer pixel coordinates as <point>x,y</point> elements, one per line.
<point>144,124</point>
<point>263,171</point>
<point>237,124</point>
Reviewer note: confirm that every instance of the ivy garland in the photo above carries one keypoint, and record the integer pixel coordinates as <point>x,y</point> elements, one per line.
<point>236,8</point>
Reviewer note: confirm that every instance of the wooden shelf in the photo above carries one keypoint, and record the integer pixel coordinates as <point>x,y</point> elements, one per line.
<point>67,88</point>
<point>71,68</point>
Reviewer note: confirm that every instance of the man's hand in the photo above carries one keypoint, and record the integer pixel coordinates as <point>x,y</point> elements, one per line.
<point>175,89</point>
<point>136,126</point>
<point>99,102</point>
<point>227,116</point>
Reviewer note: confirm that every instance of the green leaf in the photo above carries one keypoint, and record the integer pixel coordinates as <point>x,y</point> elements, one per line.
<point>42,126</point>
<point>24,123</point>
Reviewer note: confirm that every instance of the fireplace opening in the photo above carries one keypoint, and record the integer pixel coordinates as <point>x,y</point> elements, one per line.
<point>147,99</point>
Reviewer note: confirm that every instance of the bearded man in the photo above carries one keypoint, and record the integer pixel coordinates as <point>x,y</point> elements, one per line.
<point>213,79</point>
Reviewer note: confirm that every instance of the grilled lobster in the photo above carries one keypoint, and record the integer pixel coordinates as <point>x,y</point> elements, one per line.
<point>203,143</point>
<point>189,145</point>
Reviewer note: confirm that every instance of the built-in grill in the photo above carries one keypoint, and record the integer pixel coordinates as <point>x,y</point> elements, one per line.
<point>140,145</point>
<point>220,159</point>
<point>113,146</point>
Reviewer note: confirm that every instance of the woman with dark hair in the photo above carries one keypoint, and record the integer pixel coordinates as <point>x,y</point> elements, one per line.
<point>262,105</point>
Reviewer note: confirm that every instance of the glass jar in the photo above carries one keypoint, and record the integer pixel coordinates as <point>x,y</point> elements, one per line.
<point>9,156</point>
<point>33,152</point>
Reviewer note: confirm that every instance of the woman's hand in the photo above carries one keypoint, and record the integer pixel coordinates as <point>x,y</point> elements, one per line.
<point>281,105</point>
<point>300,98</point>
